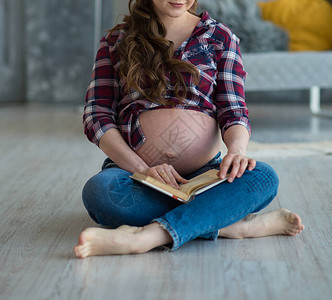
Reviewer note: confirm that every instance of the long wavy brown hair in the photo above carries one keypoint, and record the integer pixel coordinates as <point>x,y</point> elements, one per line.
<point>146,55</point>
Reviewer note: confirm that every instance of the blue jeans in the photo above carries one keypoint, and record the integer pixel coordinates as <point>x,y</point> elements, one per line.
<point>113,199</point>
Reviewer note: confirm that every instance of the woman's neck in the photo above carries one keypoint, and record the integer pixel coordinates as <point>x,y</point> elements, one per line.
<point>175,24</point>
<point>178,30</point>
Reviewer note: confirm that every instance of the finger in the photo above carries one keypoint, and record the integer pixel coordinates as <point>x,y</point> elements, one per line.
<point>224,166</point>
<point>251,164</point>
<point>178,177</point>
<point>170,178</point>
<point>158,174</point>
<point>154,173</point>
<point>234,171</point>
<point>173,175</point>
<point>164,171</point>
<point>243,167</point>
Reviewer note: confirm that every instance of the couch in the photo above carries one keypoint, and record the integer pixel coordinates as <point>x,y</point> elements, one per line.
<point>273,69</point>
<point>290,71</point>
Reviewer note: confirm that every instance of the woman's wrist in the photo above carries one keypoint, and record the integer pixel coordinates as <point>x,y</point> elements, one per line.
<point>237,151</point>
<point>142,168</point>
<point>236,139</point>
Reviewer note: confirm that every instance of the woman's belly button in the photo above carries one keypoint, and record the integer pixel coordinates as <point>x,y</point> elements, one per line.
<point>178,137</point>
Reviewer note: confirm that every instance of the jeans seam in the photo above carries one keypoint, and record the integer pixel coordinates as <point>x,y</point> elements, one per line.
<point>215,235</point>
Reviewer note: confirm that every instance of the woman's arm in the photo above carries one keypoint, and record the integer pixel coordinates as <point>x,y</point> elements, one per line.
<point>232,112</point>
<point>102,95</point>
<point>236,139</point>
<point>116,148</point>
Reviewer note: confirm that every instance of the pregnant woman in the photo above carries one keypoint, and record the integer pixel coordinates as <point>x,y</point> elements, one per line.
<point>167,87</point>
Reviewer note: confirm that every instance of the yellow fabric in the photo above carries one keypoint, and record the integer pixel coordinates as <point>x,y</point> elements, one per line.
<point>308,22</point>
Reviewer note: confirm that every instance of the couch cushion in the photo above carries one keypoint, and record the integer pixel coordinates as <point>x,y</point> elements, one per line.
<point>243,17</point>
<point>309,22</point>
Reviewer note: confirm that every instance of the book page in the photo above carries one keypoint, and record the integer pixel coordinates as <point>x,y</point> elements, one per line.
<point>200,181</point>
<point>161,185</point>
<point>185,190</point>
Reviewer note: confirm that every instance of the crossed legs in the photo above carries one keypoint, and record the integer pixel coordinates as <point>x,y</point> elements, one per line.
<point>129,239</point>
<point>112,199</point>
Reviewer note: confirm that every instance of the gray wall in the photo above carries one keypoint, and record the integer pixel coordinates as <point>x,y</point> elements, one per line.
<point>60,46</point>
<point>12,42</point>
<point>2,33</point>
<point>47,47</point>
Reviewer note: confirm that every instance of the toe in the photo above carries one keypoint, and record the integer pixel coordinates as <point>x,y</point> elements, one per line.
<point>84,253</point>
<point>80,251</point>
<point>295,219</point>
<point>76,250</point>
<point>301,228</point>
<point>292,231</point>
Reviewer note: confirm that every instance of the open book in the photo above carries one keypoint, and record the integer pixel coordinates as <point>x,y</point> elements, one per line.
<point>186,191</point>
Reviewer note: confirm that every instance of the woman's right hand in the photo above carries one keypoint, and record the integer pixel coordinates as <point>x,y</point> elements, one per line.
<point>166,174</point>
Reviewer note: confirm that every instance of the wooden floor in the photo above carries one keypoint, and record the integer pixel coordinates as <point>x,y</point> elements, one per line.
<point>45,160</point>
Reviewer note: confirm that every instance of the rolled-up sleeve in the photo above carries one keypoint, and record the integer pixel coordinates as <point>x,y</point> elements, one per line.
<point>229,96</point>
<point>102,96</point>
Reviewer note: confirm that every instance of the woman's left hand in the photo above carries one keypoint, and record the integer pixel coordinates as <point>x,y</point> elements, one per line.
<point>235,164</point>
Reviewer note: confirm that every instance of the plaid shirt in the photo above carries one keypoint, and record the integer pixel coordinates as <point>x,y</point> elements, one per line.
<point>212,48</point>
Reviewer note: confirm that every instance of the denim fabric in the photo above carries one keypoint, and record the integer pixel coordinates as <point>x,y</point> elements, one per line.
<point>113,199</point>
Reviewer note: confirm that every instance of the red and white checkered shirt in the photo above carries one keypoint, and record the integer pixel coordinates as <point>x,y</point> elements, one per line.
<point>212,48</point>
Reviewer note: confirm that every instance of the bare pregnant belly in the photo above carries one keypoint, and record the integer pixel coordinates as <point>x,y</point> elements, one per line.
<point>185,139</point>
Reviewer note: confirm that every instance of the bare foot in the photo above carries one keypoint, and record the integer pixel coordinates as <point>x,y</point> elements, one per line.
<point>130,229</point>
<point>123,240</point>
<point>280,221</point>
